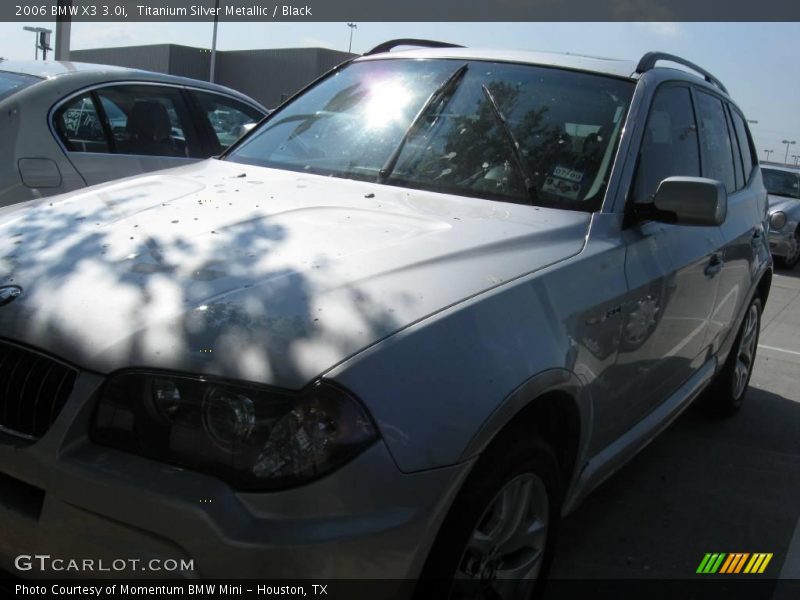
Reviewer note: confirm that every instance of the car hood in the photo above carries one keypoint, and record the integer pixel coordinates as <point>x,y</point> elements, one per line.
<point>254,273</point>
<point>783,203</point>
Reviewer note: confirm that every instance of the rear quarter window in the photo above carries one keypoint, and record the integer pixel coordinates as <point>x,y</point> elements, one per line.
<point>745,143</point>
<point>79,127</point>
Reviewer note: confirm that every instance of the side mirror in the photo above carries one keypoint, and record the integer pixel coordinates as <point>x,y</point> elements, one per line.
<point>691,201</point>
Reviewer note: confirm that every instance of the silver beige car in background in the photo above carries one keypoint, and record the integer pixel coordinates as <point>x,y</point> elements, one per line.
<point>783,186</point>
<point>66,125</point>
<point>396,331</point>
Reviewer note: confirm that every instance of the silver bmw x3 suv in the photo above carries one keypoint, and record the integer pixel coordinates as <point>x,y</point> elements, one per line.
<point>396,331</point>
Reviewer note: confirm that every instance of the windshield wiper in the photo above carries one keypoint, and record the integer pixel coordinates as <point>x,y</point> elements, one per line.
<point>447,87</point>
<point>515,147</point>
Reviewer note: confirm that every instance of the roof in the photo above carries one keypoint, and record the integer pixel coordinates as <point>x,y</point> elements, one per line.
<point>50,70</point>
<point>607,66</point>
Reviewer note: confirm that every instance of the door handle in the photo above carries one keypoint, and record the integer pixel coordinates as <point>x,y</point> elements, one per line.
<point>714,265</point>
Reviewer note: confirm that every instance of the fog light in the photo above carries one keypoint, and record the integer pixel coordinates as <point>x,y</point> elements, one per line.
<point>228,418</point>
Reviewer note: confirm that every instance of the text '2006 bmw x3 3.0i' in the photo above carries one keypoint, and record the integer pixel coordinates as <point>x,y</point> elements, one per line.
<point>395,332</point>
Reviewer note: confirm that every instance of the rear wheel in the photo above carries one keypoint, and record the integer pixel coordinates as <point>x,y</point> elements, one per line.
<point>497,540</point>
<point>728,391</point>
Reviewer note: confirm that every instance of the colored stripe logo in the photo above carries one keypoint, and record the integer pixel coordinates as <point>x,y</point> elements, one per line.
<point>734,563</point>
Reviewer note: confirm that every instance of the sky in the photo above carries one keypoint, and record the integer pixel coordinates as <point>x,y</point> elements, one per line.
<point>757,62</point>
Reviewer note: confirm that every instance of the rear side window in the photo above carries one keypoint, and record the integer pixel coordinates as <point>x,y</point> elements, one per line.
<point>669,147</point>
<point>79,126</point>
<point>737,156</point>
<point>717,149</point>
<point>148,120</point>
<point>228,118</point>
<point>11,83</point>
<point>745,144</point>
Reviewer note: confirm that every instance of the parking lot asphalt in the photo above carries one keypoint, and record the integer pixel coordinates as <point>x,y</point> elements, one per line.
<point>706,485</point>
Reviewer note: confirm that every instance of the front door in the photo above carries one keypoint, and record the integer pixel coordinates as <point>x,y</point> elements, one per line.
<point>672,270</point>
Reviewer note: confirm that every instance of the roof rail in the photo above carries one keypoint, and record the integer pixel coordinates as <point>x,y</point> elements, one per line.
<point>387,46</point>
<point>649,60</point>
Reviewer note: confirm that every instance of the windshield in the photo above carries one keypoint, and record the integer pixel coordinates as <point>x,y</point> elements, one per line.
<point>781,183</point>
<point>11,83</point>
<point>452,126</point>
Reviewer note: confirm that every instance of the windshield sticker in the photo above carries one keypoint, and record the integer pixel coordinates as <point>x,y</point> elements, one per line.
<point>564,173</point>
<point>564,183</point>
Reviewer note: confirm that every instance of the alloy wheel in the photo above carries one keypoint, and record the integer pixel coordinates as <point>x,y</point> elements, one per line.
<point>505,551</point>
<point>746,352</point>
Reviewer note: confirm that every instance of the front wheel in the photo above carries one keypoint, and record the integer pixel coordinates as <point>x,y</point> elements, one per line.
<point>728,390</point>
<point>497,540</point>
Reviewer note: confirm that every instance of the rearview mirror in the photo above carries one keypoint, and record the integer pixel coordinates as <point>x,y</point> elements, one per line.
<point>691,201</point>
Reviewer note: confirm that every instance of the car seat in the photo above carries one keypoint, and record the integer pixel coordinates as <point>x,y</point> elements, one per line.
<point>149,131</point>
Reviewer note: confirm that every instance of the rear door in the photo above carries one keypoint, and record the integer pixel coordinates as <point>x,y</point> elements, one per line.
<point>122,130</point>
<point>728,155</point>
<point>672,270</point>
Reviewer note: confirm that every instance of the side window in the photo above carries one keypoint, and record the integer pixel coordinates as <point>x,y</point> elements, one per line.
<point>79,127</point>
<point>148,120</point>
<point>669,146</point>
<point>715,141</point>
<point>745,145</point>
<point>228,117</point>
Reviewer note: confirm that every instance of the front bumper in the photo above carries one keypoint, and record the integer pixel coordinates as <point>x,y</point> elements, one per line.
<point>70,499</point>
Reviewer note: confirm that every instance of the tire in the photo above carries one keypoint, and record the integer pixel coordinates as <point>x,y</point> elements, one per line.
<point>727,393</point>
<point>790,262</point>
<point>455,569</point>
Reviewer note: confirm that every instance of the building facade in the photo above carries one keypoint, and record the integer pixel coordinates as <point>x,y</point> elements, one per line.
<point>269,76</point>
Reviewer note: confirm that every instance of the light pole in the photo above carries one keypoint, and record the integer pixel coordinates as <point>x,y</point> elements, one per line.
<point>788,143</point>
<point>352,26</point>
<point>768,153</point>
<point>41,40</point>
<point>795,157</point>
<point>214,44</point>
<point>63,29</point>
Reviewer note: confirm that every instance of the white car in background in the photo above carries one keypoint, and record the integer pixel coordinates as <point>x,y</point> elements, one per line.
<point>68,125</point>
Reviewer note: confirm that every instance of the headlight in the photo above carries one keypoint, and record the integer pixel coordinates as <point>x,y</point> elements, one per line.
<point>777,220</point>
<point>253,437</point>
